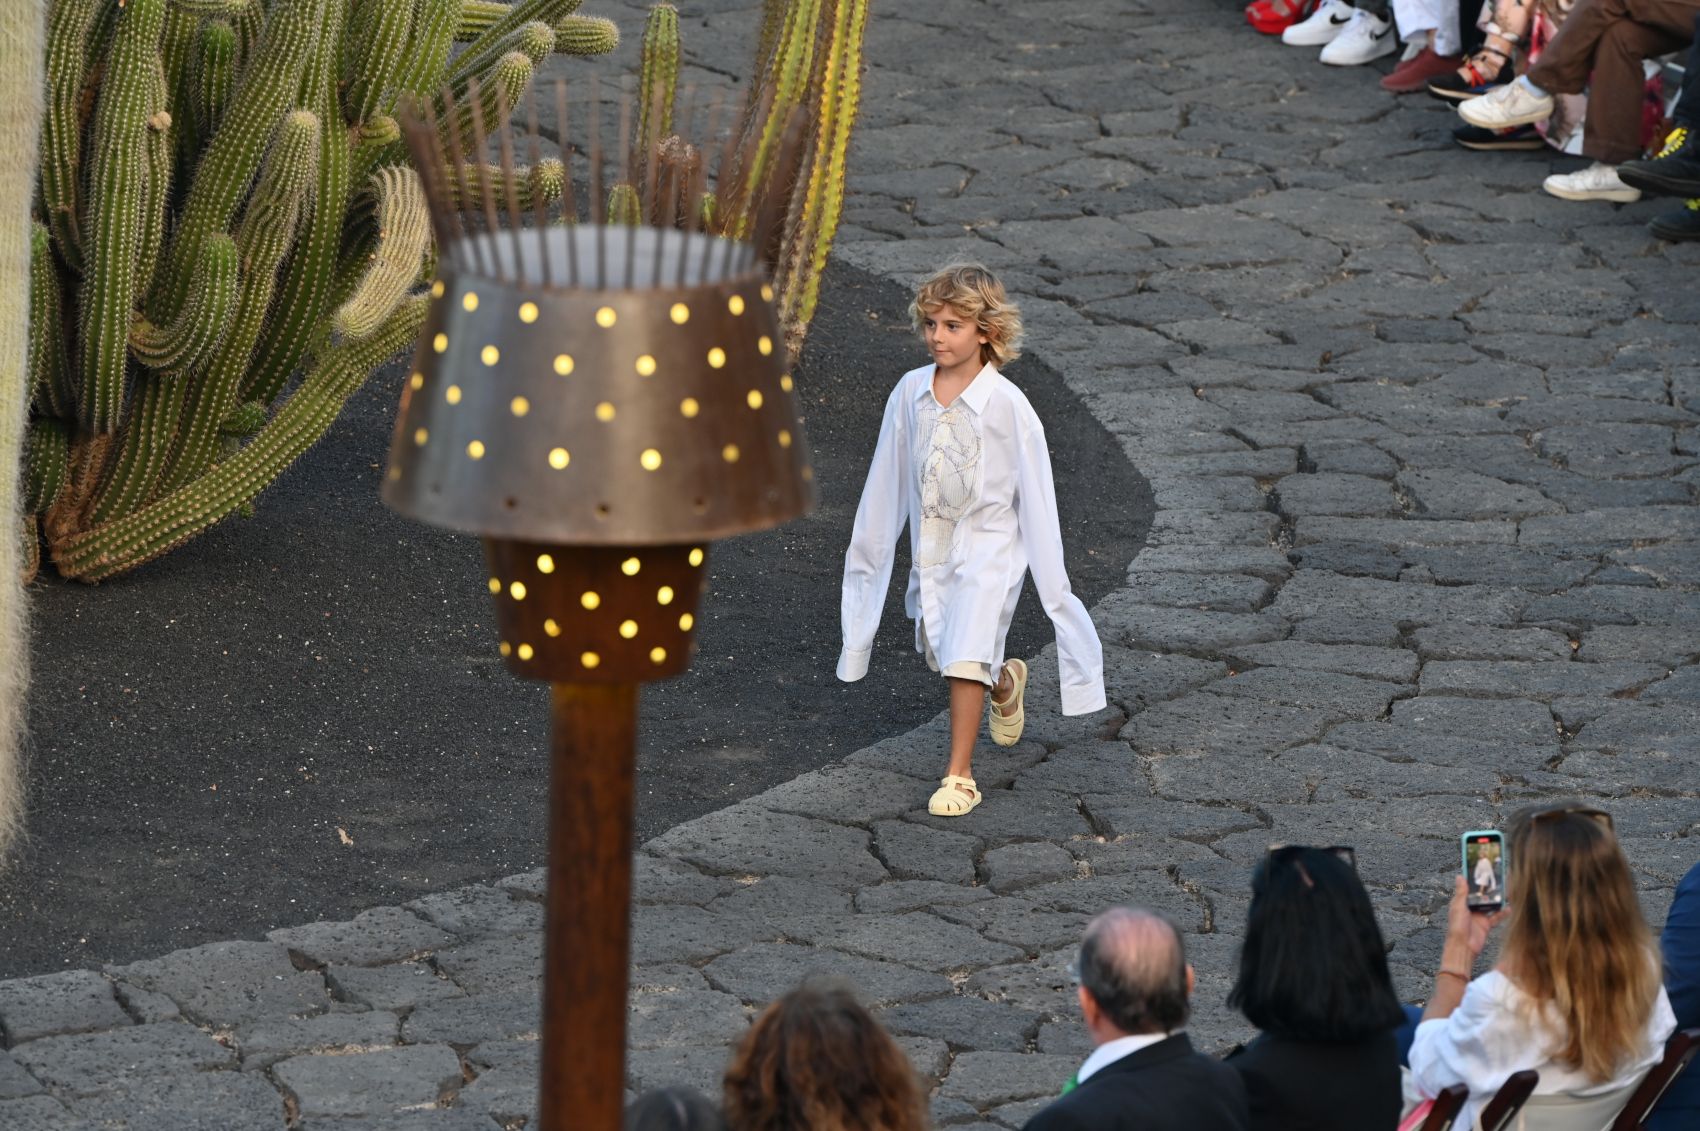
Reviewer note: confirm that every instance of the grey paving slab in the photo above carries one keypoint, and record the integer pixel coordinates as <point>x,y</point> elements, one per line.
<point>71,1001</point>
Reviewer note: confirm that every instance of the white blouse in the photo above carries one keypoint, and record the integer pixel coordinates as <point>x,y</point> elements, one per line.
<point>1497,1030</point>
<point>973,482</point>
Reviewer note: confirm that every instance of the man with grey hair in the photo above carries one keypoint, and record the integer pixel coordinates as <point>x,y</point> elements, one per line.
<point>1144,1075</point>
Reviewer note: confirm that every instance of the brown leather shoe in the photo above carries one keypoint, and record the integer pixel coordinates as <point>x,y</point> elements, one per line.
<point>1414,73</point>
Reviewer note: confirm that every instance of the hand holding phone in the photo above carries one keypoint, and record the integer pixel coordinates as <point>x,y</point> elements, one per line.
<point>1483,856</point>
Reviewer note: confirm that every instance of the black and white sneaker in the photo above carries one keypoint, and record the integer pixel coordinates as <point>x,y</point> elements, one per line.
<point>1520,137</point>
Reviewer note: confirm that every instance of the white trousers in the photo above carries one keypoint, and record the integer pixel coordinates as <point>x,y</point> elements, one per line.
<point>1415,17</point>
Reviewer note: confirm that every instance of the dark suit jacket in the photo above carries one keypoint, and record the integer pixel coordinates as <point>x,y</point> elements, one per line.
<point>1310,1086</point>
<point>1162,1087</point>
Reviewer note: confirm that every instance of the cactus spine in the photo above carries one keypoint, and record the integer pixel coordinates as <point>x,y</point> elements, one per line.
<point>225,210</point>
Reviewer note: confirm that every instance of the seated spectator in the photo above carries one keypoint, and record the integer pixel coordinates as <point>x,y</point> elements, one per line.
<point>1676,170</point>
<point>1143,1074</point>
<point>1680,1108</point>
<point>1313,979</point>
<point>673,1109</point>
<point>1575,994</point>
<point>1504,23</point>
<point>1432,24</point>
<point>815,1060</point>
<point>1600,47</point>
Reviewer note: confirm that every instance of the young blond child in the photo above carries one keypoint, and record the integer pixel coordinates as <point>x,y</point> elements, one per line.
<point>962,460</point>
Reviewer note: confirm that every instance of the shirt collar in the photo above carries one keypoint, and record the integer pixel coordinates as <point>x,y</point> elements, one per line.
<point>1109,1052</point>
<point>975,396</point>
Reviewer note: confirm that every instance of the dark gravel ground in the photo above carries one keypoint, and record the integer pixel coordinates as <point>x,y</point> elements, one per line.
<point>301,715</point>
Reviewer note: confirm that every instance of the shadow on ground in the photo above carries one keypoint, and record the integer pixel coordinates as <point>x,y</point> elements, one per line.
<point>301,715</point>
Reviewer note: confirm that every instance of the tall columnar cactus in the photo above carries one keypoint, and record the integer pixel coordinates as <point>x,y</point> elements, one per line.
<point>228,239</point>
<point>658,76</point>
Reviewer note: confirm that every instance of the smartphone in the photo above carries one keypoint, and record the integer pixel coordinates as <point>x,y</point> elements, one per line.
<point>1484,869</point>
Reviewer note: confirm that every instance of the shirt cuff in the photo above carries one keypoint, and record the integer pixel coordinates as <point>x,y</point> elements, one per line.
<point>1083,700</point>
<point>853,663</point>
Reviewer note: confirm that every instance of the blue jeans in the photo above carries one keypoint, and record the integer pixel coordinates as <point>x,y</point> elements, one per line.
<point>1406,1033</point>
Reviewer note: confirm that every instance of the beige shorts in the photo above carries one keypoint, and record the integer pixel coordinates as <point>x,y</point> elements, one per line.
<point>961,669</point>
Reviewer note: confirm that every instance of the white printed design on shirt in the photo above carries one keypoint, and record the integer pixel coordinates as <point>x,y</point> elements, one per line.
<point>950,466</point>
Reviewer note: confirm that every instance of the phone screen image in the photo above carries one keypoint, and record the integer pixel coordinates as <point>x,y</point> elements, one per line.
<point>1484,869</point>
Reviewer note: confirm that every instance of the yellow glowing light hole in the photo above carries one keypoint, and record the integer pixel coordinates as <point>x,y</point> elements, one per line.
<point>664,595</point>
<point>686,621</point>
<point>766,293</point>
<point>452,394</point>
<point>551,627</point>
<point>519,406</point>
<point>764,344</point>
<point>688,408</point>
<point>754,399</point>
<point>604,412</point>
<point>528,312</point>
<point>784,438</point>
<point>808,473</point>
<point>729,453</point>
<point>505,648</point>
<point>650,459</point>
<point>420,436</point>
<point>417,381</point>
<point>526,652</point>
<point>680,313</point>
<point>645,366</point>
<point>630,567</point>
<point>475,449</point>
<point>437,289</point>
<point>658,655</point>
<point>590,599</point>
<point>495,585</point>
<point>735,304</point>
<point>545,564</point>
<point>696,557</point>
<point>628,628</point>
<point>563,364</point>
<point>605,318</point>
<point>786,383</point>
<point>469,301</point>
<point>590,659</point>
<point>490,354</point>
<point>517,590</point>
<point>440,342</point>
<point>395,473</point>
<point>716,357</point>
<point>558,458</point>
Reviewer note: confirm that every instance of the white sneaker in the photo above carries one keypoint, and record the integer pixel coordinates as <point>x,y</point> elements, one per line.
<point>1598,181</point>
<point>1506,106</point>
<point>1365,38</point>
<point>1328,21</point>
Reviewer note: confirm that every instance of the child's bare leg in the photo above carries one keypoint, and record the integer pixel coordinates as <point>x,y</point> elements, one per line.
<point>967,704</point>
<point>1003,695</point>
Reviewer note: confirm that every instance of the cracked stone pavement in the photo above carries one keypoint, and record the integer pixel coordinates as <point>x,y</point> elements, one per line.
<point>1424,445</point>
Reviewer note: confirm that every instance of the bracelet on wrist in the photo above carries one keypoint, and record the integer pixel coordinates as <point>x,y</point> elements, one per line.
<point>1456,974</point>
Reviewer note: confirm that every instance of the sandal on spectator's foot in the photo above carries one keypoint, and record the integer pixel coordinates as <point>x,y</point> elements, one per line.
<point>955,796</point>
<point>1006,728</point>
<point>1481,72</point>
<point>1679,226</point>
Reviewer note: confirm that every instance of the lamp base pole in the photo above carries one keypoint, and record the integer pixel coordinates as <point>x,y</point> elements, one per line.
<point>587,934</point>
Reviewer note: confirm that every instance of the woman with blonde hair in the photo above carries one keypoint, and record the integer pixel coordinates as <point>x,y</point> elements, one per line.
<point>1575,994</point>
<point>815,1060</point>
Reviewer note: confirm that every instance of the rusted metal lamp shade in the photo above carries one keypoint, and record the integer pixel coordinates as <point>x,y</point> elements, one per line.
<point>599,436</point>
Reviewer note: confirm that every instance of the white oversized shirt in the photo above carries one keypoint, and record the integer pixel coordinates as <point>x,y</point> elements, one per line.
<point>972,480</point>
<point>1497,1030</point>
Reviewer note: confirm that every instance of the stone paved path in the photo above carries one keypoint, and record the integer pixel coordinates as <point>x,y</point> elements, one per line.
<point>1425,445</point>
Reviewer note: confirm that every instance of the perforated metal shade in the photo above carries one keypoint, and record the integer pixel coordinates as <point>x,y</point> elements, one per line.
<point>621,387</point>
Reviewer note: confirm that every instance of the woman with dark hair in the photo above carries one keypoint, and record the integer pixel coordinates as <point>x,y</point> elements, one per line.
<point>815,1060</point>
<point>1313,978</point>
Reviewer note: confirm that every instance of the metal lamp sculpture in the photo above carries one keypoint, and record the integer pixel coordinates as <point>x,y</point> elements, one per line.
<point>598,404</point>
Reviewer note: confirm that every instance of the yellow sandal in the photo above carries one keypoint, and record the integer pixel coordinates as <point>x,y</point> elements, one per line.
<point>1006,729</point>
<point>949,801</point>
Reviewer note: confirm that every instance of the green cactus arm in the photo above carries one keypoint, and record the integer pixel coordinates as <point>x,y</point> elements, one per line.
<point>117,172</point>
<point>499,90</point>
<point>125,543</point>
<point>50,381</point>
<point>244,420</point>
<point>200,327</point>
<point>381,32</point>
<point>475,17</point>
<point>269,228</point>
<point>47,451</point>
<point>178,45</point>
<point>624,207</point>
<point>376,142</point>
<point>68,31</point>
<point>544,183</point>
<point>658,80</point>
<point>404,232</point>
<point>211,79</point>
<point>767,41</point>
<point>249,23</point>
<point>215,7</point>
<point>586,35</point>
<point>156,188</point>
<point>303,296</point>
<point>269,85</point>
<point>492,42</point>
<point>793,62</point>
<point>433,38</point>
<point>142,447</point>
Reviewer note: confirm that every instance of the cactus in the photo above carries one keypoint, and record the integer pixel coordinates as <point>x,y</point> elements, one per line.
<point>225,212</point>
<point>658,76</point>
<point>624,207</point>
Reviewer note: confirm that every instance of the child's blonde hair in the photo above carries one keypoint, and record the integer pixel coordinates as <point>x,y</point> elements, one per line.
<point>975,293</point>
